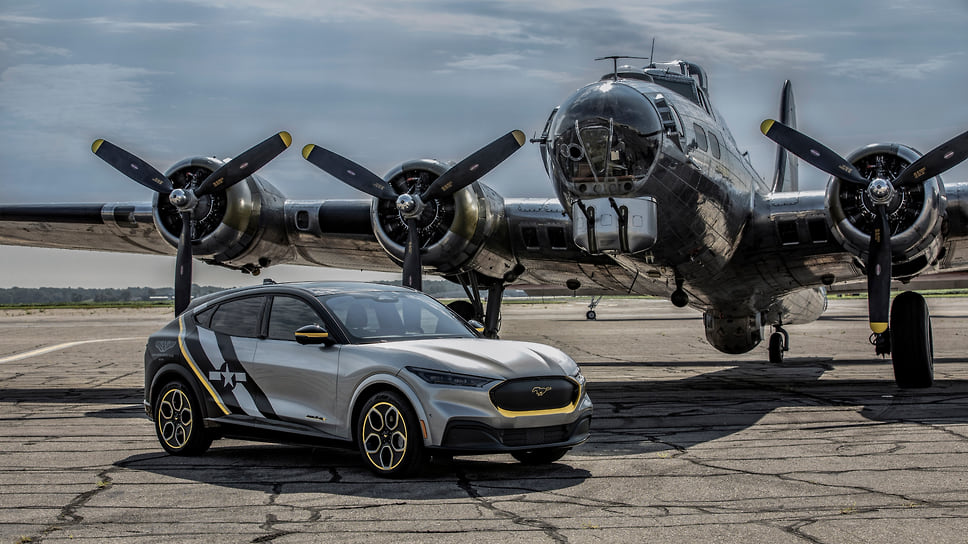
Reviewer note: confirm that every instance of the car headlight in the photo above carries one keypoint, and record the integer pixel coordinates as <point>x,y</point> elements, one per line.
<point>438,377</point>
<point>579,377</point>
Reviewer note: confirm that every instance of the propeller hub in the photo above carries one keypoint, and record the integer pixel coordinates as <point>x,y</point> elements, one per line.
<point>880,191</point>
<point>182,199</point>
<point>409,205</point>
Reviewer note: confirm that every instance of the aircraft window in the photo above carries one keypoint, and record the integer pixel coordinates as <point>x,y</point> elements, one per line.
<point>239,317</point>
<point>556,235</point>
<point>685,89</point>
<point>289,314</point>
<point>302,220</point>
<point>714,145</point>
<point>700,140</point>
<point>788,232</point>
<point>530,235</point>
<point>818,230</point>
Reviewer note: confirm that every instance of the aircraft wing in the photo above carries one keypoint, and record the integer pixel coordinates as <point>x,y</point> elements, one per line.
<point>126,227</point>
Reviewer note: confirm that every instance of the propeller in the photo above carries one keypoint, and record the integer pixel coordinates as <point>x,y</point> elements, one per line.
<point>881,191</point>
<point>411,206</point>
<point>186,199</point>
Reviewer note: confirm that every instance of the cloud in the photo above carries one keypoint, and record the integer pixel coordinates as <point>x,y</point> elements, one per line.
<point>73,95</point>
<point>105,24</point>
<point>889,69</point>
<point>21,49</point>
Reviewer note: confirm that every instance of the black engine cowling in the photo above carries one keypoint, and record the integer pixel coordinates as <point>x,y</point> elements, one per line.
<point>458,233</point>
<point>916,212</point>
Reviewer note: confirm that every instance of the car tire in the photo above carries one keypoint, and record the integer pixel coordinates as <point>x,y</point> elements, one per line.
<point>388,436</point>
<point>179,422</point>
<point>540,456</point>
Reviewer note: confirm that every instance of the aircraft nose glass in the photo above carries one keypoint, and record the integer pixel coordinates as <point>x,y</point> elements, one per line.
<point>605,140</point>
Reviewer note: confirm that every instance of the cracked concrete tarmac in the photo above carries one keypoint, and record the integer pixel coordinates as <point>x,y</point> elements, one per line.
<point>687,445</point>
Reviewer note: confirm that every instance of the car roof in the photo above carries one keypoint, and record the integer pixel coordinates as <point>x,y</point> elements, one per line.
<point>314,288</point>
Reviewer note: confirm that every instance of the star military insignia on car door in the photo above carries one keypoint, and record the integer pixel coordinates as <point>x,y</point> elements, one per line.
<point>228,378</point>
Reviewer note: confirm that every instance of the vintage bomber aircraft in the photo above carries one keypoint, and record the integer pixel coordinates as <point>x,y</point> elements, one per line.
<point>653,197</point>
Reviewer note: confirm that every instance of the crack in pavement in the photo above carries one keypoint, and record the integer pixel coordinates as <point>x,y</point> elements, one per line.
<point>548,529</point>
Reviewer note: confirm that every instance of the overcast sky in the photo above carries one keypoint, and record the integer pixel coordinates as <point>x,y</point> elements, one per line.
<point>389,80</point>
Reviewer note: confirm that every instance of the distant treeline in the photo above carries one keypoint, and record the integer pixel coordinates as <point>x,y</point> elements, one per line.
<point>80,295</point>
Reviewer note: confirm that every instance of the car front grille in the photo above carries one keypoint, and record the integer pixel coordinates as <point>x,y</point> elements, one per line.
<point>535,394</point>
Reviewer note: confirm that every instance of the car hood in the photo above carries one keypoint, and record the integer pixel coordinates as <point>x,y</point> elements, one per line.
<point>482,357</point>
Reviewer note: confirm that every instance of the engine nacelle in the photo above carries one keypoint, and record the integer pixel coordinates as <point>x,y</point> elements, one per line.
<point>231,225</point>
<point>916,212</point>
<point>459,233</point>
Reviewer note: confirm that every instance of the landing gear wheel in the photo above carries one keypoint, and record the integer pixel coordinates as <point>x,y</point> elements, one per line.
<point>913,346</point>
<point>776,348</point>
<point>463,308</point>
<point>388,436</point>
<point>178,421</point>
<point>590,315</point>
<point>541,456</point>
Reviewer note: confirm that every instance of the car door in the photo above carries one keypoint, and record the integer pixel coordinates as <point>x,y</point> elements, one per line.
<point>299,380</point>
<point>228,339</point>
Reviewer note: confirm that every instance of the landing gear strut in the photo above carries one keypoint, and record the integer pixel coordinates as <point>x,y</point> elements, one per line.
<point>590,314</point>
<point>474,309</point>
<point>779,343</point>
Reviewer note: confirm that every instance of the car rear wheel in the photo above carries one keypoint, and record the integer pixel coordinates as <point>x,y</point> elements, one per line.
<point>388,436</point>
<point>178,421</point>
<point>541,456</point>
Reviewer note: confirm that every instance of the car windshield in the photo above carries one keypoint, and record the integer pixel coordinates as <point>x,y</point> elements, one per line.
<point>391,316</point>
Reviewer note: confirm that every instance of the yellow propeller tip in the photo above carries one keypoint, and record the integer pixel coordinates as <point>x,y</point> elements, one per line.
<point>765,126</point>
<point>519,137</point>
<point>878,327</point>
<point>96,145</point>
<point>307,149</point>
<point>286,138</point>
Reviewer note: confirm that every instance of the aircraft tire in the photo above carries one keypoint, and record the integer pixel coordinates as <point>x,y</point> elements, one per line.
<point>590,315</point>
<point>462,308</point>
<point>776,348</point>
<point>912,344</point>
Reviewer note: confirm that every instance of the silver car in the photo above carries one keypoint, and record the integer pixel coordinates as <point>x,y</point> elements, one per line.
<point>387,369</point>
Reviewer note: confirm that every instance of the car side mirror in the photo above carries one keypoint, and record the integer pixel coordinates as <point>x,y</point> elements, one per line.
<point>477,325</point>
<point>313,335</point>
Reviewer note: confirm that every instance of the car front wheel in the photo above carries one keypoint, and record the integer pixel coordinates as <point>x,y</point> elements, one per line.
<point>178,421</point>
<point>388,436</point>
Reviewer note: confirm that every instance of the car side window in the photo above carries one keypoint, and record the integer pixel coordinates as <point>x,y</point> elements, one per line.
<point>289,314</point>
<point>239,317</point>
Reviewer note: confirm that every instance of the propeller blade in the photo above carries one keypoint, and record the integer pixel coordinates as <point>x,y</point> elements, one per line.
<point>879,273</point>
<point>244,165</point>
<point>183,265</point>
<point>812,151</point>
<point>412,268</point>
<point>935,162</point>
<point>348,172</point>
<point>475,166</point>
<point>131,166</point>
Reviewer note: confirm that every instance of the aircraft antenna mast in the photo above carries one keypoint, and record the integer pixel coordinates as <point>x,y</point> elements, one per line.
<point>614,59</point>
